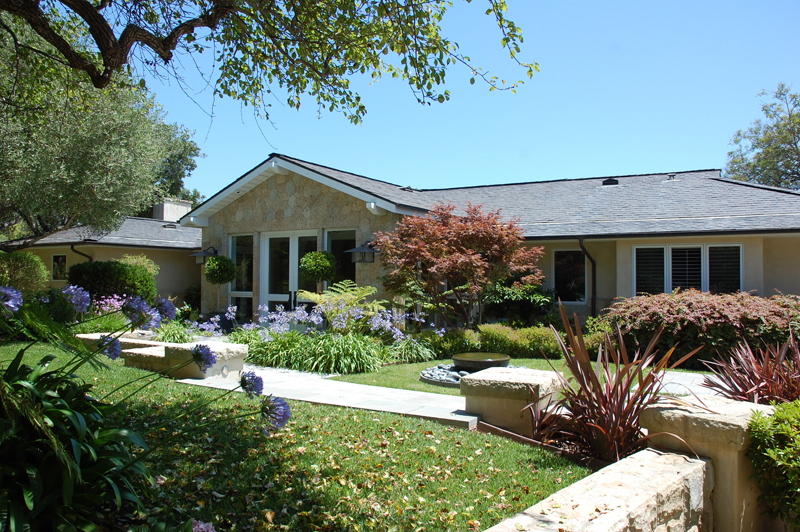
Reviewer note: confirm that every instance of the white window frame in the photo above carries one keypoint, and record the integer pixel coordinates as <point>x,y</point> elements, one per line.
<point>704,263</point>
<point>585,276</point>
<point>294,260</point>
<point>234,293</point>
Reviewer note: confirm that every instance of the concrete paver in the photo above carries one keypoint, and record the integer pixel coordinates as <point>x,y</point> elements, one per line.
<point>446,409</point>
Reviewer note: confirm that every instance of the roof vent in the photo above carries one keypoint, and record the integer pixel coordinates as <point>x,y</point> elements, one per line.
<point>169,226</point>
<point>407,188</point>
<point>670,177</point>
<point>610,181</point>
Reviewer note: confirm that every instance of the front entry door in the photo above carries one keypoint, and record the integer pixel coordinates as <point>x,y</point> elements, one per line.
<point>280,261</point>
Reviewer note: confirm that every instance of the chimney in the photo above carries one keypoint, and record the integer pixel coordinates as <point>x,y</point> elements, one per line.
<point>171,210</point>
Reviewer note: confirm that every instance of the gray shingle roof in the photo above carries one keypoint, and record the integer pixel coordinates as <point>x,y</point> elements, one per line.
<point>134,232</point>
<point>648,204</point>
<point>692,202</point>
<point>397,194</point>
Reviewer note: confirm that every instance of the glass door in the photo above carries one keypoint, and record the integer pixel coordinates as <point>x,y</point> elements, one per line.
<point>280,261</point>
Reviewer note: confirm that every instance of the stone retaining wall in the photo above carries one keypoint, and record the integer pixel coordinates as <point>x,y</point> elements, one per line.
<point>649,491</point>
<point>163,356</point>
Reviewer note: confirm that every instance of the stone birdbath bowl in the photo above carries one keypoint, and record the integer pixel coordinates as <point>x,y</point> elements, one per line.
<point>473,362</point>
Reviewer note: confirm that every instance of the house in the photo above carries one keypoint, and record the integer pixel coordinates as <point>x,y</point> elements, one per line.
<point>603,238</point>
<point>161,238</point>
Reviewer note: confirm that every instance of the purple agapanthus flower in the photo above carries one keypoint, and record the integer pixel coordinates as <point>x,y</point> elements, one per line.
<point>11,298</point>
<point>276,413</point>
<point>251,384</point>
<point>111,346</point>
<point>166,309</point>
<point>204,357</point>
<point>78,297</point>
<point>231,312</point>
<point>138,311</point>
<point>155,320</point>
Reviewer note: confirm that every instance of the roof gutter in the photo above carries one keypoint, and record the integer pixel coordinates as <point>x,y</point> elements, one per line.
<point>594,277</point>
<point>72,247</point>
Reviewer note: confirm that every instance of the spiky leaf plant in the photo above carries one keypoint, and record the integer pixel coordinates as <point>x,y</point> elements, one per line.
<point>764,376</point>
<point>603,403</point>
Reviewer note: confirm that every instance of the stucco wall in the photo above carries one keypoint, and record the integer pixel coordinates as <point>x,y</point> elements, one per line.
<point>781,265</point>
<point>292,203</point>
<point>178,270</point>
<point>605,255</point>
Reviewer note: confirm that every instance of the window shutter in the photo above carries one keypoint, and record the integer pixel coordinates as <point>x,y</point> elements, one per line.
<point>724,269</point>
<point>649,270</point>
<point>686,269</point>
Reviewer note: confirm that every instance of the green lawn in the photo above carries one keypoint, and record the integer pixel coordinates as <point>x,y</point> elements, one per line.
<point>406,376</point>
<point>331,468</point>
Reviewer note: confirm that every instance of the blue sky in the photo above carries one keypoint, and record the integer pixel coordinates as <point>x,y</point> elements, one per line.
<point>625,88</point>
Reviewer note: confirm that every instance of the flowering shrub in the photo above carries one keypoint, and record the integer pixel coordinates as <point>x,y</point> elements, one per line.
<point>693,319</point>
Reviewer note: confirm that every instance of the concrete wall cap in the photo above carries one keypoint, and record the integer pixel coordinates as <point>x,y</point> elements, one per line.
<point>510,383</point>
<point>712,420</point>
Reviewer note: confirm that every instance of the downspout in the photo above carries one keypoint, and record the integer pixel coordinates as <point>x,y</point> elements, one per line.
<point>594,277</point>
<point>72,247</point>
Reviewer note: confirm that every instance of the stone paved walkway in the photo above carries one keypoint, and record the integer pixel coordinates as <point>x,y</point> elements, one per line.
<point>446,409</point>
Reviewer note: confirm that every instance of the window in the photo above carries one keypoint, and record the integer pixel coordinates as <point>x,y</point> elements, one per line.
<point>59,269</point>
<point>569,275</point>
<point>710,267</point>
<point>338,242</point>
<point>242,286</point>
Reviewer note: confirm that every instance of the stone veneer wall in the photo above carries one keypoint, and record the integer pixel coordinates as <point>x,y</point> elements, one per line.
<point>292,203</point>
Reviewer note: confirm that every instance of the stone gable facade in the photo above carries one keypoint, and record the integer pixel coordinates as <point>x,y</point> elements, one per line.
<point>287,203</point>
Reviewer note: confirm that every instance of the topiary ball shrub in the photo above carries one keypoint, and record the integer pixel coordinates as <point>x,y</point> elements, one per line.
<point>24,271</point>
<point>693,319</point>
<point>774,453</point>
<point>318,266</point>
<point>110,278</point>
<point>220,270</point>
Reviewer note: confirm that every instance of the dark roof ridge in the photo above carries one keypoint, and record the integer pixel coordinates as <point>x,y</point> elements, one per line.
<point>570,179</point>
<point>338,170</point>
<point>756,185</point>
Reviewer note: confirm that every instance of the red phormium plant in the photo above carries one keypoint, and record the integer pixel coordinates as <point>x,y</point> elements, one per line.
<point>602,404</point>
<point>764,376</point>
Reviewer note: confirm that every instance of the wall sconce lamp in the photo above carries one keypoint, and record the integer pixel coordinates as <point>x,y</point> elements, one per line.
<point>363,254</point>
<point>205,254</point>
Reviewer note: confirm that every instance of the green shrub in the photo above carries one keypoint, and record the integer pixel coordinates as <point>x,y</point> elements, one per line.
<point>174,332</point>
<point>775,455</point>
<point>109,278</point>
<point>192,296</point>
<point>220,270</point>
<point>409,351</point>
<point>533,342</point>
<point>24,271</point>
<point>57,306</point>
<point>325,353</point>
<point>105,323</point>
<point>451,342</point>
<point>141,260</point>
<point>318,266</point>
<point>693,319</point>
<point>241,335</point>
<point>519,305</point>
